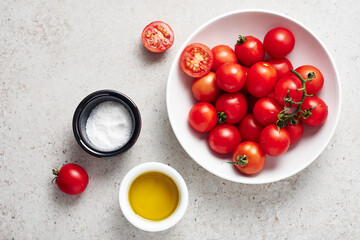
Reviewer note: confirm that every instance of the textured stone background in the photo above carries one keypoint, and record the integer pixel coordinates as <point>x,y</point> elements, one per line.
<point>54,53</point>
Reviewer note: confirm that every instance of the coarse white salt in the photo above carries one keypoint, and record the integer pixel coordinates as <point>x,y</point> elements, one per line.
<point>109,126</point>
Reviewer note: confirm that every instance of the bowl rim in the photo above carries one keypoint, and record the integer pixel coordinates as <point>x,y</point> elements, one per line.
<point>111,93</point>
<point>175,65</point>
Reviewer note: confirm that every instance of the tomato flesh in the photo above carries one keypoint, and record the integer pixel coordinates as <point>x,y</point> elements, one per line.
<point>196,60</point>
<point>157,37</point>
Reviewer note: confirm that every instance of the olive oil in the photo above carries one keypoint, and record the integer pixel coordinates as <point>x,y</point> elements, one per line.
<point>154,196</point>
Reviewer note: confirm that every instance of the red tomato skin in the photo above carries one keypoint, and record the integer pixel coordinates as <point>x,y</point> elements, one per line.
<point>291,83</point>
<point>281,65</point>
<point>222,54</point>
<point>266,111</point>
<point>72,179</point>
<point>250,129</point>
<point>204,89</point>
<point>224,138</point>
<point>202,117</point>
<point>312,87</point>
<point>273,141</point>
<point>318,114</point>
<point>255,155</point>
<point>165,43</point>
<point>279,42</point>
<point>187,54</point>
<point>230,77</point>
<point>234,105</point>
<point>250,52</point>
<point>295,130</point>
<point>261,79</point>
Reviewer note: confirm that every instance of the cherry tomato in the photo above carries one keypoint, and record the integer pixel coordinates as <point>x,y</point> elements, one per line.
<point>318,114</point>
<point>230,77</point>
<point>249,50</point>
<point>202,117</point>
<point>274,142</point>
<point>205,89</point>
<point>279,42</point>
<point>231,107</point>
<point>196,60</point>
<point>295,130</point>
<point>285,84</point>
<point>315,85</point>
<point>71,179</point>
<point>224,138</point>
<point>248,157</point>
<point>281,65</point>
<point>250,129</point>
<point>157,37</point>
<point>266,111</point>
<point>222,54</point>
<point>261,79</point>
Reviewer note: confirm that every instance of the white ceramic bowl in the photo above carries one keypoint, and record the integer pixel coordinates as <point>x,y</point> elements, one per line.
<point>139,222</point>
<point>225,29</point>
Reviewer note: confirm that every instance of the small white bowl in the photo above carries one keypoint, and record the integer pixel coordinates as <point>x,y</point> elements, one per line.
<point>139,222</point>
<point>309,50</point>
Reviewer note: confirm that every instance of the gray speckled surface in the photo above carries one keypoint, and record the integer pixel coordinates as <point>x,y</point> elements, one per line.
<point>54,53</point>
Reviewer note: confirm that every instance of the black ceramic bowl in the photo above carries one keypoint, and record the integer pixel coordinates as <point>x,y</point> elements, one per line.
<point>83,111</point>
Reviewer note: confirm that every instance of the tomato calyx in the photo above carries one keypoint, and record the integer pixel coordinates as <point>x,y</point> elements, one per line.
<point>55,171</point>
<point>285,116</point>
<point>221,117</point>
<point>241,160</point>
<point>240,40</point>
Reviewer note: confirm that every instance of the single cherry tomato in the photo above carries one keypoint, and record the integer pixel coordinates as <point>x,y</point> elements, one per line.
<point>250,129</point>
<point>202,117</point>
<point>279,42</point>
<point>205,89</point>
<point>71,179</point>
<point>157,37</point>
<point>281,65</point>
<point>224,138</point>
<point>196,60</point>
<point>285,84</point>
<point>295,130</point>
<point>248,157</point>
<point>319,112</point>
<point>266,111</point>
<point>231,107</point>
<point>315,85</point>
<point>274,142</point>
<point>249,50</point>
<point>261,79</point>
<point>222,54</point>
<point>230,77</point>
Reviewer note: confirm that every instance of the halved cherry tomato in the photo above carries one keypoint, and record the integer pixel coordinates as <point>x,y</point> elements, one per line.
<point>279,42</point>
<point>248,157</point>
<point>202,117</point>
<point>249,50</point>
<point>224,138</point>
<point>231,107</point>
<point>295,130</point>
<point>274,142</point>
<point>261,79</point>
<point>288,83</point>
<point>230,77</point>
<point>157,37</point>
<point>196,60</point>
<point>266,111</point>
<point>315,85</point>
<point>205,89</point>
<point>318,114</point>
<point>250,129</point>
<point>222,54</point>
<point>282,66</point>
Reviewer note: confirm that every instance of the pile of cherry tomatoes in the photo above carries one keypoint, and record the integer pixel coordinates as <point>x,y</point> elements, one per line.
<point>249,106</point>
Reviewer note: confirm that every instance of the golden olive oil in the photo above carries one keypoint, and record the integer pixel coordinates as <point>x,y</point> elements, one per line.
<point>154,196</point>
